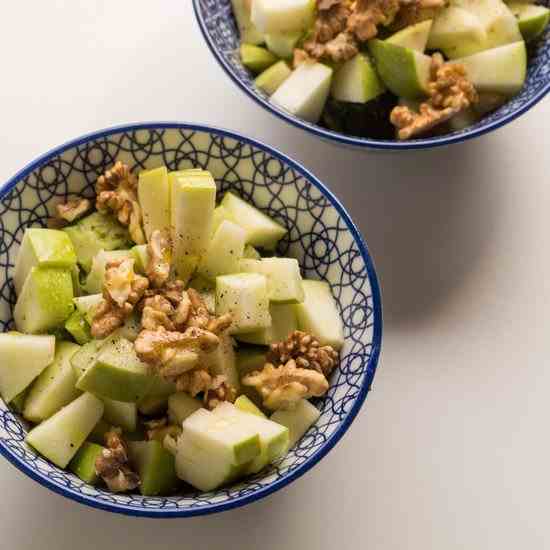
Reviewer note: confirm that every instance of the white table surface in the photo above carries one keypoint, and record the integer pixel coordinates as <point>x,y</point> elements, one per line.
<point>451,450</point>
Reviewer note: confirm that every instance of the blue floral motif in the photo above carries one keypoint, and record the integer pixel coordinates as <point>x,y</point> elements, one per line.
<point>218,26</point>
<point>320,235</point>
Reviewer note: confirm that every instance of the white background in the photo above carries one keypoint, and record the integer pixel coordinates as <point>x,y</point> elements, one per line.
<point>451,450</point>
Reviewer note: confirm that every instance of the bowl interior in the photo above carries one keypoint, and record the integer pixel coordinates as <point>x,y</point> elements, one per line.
<point>321,236</point>
<point>220,31</point>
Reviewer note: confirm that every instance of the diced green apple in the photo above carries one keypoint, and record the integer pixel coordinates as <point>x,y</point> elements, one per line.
<point>83,463</point>
<point>120,414</point>
<point>18,402</point>
<point>213,450</point>
<point>414,36</point>
<point>456,32</point>
<point>141,257</point>
<point>244,295</point>
<point>271,79</point>
<point>532,19</point>
<point>250,253</point>
<point>96,277</point>
<point>282,44</point>
<point>284,281</point>
<point>94,233</point>
<point>256,58</point>
<point>274,438</point>
<point>42,248</point>
<point>193,203</point>
<point>78,327</point>
<point>318,315</point>
<point>154,199</point>
<point>117,373</point>
<point>404,71</point>
<point>55,387</point>
<point>246,404</point>
<point>356,81</point>
<point>260,229</point>
<point>180,406</point>
<point>87,305</point>
<point>225,252</point>
<point>85,357</point>
<point>60,437</point>
<point>46,300</point>
<point>155,466</point>
<point>221,214</point>
<point>249,33</point>
<point>297,420</point>
<point>283,322</point>
<point>17,374</point>
<point>508,69</point>
<point>305,92</point>
<point>274,16</point>
<point>153,405</point>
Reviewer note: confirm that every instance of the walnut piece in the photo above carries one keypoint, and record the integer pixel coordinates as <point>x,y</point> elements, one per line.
<point>367,15</point>
<point>112,464</point>
<point>306,351</point>
<point>218,392</point>
<point>215,389</point>
<point>450,92</point>
<point>73,209</point>
<point>160,428</point>
<point>282,387</point>
<point>158,264</point>
<point>200,317</point>
<point>122,290</point>
<point>117,192</point>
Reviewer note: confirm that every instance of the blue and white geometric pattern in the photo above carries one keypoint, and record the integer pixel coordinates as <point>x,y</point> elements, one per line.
<point>218,26</point>
<point>320,235</point>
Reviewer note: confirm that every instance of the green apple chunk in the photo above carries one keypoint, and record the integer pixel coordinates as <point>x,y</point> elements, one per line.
<point>117,373</point>
<point>297,420</point>
<point>78,327</point>
<point>94,233</point>
<point>532,19</point>
<point>18,402</point>
<point>250,253</point>
<point>96,277</point>
<point>55,387</point>
<point>220,215</point>
<point>42,248</point>
<point>282,44</point>
<point>277,16</point>
<point>256,58</point>
<point>193,203</point>
<point>498,22</point>
<point>456,32</point>
<point>85,357</point>
<point>207,291</point>
<point>213,450</point>
<point>156,400</point>
<point>260,229</point>
<point>274,438</point>
<point>120,414</point>
<point>508,69</point>
<point>83,463</point>
<point>46,301</point>
<point>305,92</point>
<point>284,281</point>
<point>225,252</point>
<point>222,361</point>
<point>154,199</point>
<point>97,435</point>
<point>244,296</point>
<point>249,33</point>
<point>86,305</point>
<point>60,437</point>
<point>245,404</point>
<point>17,374</point>
<point>404,71</point>
<point>155,466</point>
<point>283,322</point>
<point>271,79</point>
<point>414,36</point>
<point>318,315</point>
<point>140,257</point>
<point>180,406</point>
<point>356,81</point>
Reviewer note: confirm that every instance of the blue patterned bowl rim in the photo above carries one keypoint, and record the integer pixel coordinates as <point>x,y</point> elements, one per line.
<point>360,142</point>
<point>371,367</point>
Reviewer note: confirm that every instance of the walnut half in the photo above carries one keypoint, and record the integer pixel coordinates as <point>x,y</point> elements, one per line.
<point>282,387</point>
